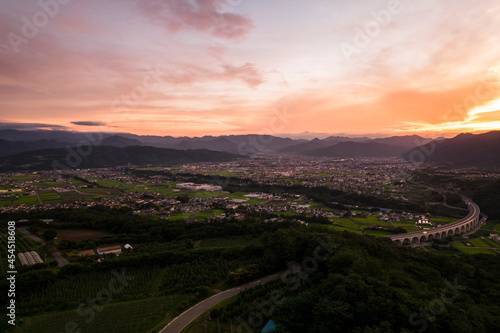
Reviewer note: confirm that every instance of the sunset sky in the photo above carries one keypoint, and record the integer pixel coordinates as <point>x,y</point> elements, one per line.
<point>213,67</point>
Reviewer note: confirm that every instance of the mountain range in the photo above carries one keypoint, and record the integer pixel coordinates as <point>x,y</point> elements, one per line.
<point>107,156</point>
<point>15,141</point>
<point>464,150</point>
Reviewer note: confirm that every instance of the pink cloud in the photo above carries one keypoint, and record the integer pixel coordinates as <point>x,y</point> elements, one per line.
<point>190,73</point>
<point>198,15</point>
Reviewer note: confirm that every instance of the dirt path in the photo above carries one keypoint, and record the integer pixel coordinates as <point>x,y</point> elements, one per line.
<point>61,261</point>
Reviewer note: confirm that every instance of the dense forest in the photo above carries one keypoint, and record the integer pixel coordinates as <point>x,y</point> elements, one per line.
<point>345,282</point>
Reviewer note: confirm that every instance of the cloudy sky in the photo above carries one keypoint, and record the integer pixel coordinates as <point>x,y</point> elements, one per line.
<point>197,67</point>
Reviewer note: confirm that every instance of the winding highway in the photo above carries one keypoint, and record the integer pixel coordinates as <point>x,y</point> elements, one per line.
<point>179,323</point>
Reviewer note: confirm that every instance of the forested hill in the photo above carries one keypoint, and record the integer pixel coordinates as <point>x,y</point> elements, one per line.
<point>107,156</point>
<point>345,282</point>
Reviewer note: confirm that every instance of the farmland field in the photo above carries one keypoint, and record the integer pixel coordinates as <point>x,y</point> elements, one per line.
<point>377,233</point>
<point>24,177</point>
<point>72,196</point>
<point>50,197</point>
<point>141,316</point>
<point>25,199</point>
<point>51,184</point>
<point>469,250</point>
<point>485,242</point>
<point>23,244</point>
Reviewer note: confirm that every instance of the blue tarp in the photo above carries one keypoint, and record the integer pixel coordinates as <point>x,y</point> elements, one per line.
<point>270,326</point>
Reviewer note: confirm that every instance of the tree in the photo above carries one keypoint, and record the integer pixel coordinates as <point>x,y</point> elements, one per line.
<point>50,234</point>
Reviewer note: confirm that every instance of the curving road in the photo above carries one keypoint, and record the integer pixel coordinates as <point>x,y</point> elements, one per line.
<point>61,261</point>
<point>179,323</point>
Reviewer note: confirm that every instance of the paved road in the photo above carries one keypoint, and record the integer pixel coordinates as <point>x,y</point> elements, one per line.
<point>38,197</point>
<point>30,235</point>
<point>61,261</point>
<point>178,324</point>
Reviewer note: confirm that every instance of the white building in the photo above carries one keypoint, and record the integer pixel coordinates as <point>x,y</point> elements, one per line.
<point>199,187</point>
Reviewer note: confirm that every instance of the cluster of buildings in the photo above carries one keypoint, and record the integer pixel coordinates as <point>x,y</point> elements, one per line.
<point>381,177</point>
<point>116,250</point>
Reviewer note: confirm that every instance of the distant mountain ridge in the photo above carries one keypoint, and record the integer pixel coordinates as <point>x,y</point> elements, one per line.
<point>120,141</point>
<point>464,150</point>
<point>107,156</point>
<point>16,141</point>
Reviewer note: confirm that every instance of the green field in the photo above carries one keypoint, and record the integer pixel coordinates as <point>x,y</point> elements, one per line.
<point>493,226</point>
<point>25,199</point>
<point>51,184</point>
<point>469,250</point>
<point>109,183</point>
<point>203,194</point>
<point>24,177</point>
<point>377,233</point>
<point>485,242</point>
<point>50,197</point>
<point>373,220</point>
<point>157,188</point>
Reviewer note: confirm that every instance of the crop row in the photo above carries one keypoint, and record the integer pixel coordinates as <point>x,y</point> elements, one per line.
<point>73,290</point>
<point>124,317</point>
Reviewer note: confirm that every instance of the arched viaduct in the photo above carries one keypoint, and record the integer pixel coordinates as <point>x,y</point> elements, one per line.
<point>465,225</point>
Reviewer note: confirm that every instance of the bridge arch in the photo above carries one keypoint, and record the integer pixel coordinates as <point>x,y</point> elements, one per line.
<point>465,225</point>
